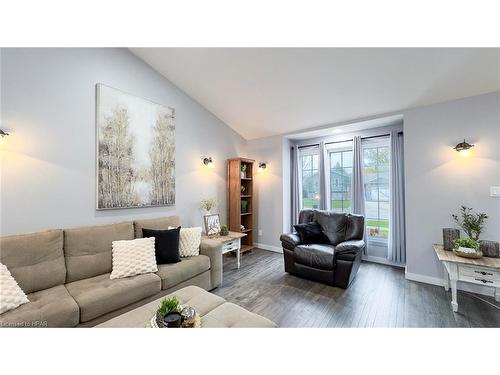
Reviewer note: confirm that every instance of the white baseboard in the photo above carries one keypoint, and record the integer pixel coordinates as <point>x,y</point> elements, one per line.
<point>369,258</point>
<point>466,287</point>
<point>423,278</point>
<point>274,249</point>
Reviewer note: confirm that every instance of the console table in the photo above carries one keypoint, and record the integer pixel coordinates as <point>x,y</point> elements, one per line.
<point>231,242</point>
<point>483,271</point>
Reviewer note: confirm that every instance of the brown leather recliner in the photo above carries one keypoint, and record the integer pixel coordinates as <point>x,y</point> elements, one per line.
<point>335,263</point>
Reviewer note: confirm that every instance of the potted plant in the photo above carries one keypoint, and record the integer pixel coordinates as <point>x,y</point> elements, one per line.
<point>208,204</point>
<point>243,170</point>
<point>244,206</point>
<point>467,247</point>
<point>224,230</point>
<point>471,222</point>
<point>167,306</point>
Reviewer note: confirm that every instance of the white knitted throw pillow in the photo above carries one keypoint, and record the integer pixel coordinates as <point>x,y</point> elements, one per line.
<point>133,257</point>
<point>189,242</point>
<point>11,294</point>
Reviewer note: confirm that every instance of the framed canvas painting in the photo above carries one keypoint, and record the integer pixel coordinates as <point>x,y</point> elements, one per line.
<point>135,151</point>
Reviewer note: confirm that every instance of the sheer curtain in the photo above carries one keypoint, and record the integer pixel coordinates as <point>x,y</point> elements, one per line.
<point>397,235</point>
<point>358,187</point>
<point>296,185</point>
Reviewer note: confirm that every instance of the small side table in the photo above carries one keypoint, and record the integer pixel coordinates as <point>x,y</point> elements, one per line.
<point>231,242</point>
<point>483,271</point>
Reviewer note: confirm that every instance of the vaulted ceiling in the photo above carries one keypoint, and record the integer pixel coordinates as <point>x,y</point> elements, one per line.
<point>267,91</point>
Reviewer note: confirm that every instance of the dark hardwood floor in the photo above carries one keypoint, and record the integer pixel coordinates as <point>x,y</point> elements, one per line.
<point>380,296</point>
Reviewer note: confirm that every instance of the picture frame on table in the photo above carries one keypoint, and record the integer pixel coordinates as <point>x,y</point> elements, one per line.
<point>212,225</point>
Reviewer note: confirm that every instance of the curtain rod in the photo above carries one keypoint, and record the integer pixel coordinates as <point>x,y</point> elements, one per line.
<point>367,137</point>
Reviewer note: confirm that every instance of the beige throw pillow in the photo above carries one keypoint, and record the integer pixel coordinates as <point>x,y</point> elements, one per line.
<point>189,242</point>
<point>11,294</point>
<point>133,257</point>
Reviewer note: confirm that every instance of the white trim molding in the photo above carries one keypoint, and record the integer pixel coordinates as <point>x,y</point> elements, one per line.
<point>372,259</point>
<point>274,249</point>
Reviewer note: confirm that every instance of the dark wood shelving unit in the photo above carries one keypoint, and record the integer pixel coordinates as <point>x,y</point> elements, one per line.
<point>235,182</point>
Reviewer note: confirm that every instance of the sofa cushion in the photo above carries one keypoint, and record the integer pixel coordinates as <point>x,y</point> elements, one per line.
<point>35,260</point>
<point>176,273</point>
<point>133,257</point>
<point>88,249</point>
<point>53,307</point>
<point>355,227</point>
<point>11,295</point>
<point>99,295</point>
<point>311,233</point>
<point>333,225</point>
<point>166,244</point>
<point>315,256</point>
<point>161,223</point>
<point>229,315</point>
<point>306,216</point>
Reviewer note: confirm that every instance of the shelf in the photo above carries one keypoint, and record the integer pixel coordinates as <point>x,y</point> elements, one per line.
<point>246,230</point>
<point>247,196</point>
<point>246,213</point>
<point>246,178</point>
<point>245,248</point>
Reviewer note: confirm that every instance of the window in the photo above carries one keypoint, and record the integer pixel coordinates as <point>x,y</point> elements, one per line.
<point>376,163</point>
<point>309,162</point>
<point>340,162</point>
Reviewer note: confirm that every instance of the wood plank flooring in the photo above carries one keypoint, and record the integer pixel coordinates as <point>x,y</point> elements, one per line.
<point>380,296</point>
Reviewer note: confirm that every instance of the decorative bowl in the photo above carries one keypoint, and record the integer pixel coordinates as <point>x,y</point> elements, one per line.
<point>466,252</point>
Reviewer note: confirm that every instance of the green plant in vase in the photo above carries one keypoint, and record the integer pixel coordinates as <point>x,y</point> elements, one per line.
<point>167,305</point>
<point>224,230</point>
<point>471,222</point>
<point>243,170</point>
<point>244,206</point>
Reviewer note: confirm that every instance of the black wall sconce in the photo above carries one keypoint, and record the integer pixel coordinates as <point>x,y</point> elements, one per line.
<point>463,148</point>
<point>3,135</point>
<point>208,162</point>
<point>262,165</point>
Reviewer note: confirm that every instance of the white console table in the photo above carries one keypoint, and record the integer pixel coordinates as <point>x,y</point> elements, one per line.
<point>231,242</point>
<point>483,271</point>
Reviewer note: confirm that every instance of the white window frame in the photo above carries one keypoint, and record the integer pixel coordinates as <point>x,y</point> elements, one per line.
<point>306,151</point>
<point>330,148</point>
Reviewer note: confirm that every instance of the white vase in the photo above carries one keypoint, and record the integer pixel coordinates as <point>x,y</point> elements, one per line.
<point>243,174</point>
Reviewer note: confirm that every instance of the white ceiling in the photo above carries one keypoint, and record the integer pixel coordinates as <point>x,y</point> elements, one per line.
<point>267,91</point>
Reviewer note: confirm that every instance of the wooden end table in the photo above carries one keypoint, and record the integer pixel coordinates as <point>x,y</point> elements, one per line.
<point>231,242</point>
<point>483,271</point>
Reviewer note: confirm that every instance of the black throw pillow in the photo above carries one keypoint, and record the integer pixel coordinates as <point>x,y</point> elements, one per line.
<point>311,233</point>
<point>166,244</point>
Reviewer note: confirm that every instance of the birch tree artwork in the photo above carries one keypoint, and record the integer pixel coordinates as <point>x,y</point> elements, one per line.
<point>135,151</point>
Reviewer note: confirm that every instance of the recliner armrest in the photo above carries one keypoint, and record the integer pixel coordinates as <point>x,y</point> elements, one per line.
<point>352,246</point>
<point>290,240</point>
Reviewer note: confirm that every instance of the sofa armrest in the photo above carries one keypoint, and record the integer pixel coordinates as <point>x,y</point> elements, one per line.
<point>352,246</point>
<point>290,240</point>
<point>213,249</point>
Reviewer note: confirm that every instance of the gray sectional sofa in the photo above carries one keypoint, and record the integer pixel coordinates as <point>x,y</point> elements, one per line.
<point>65,273</point>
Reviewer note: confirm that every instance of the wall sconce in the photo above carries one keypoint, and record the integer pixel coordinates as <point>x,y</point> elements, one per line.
<point>463,148</point>
<point>208,162</point>
<point>262,166</point>
<point>3,135</point>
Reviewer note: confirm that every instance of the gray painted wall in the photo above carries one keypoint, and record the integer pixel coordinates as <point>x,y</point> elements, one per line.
<point>48,164</point>
<point>439,180</point>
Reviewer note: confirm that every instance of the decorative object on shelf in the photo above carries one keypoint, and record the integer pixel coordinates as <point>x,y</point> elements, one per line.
<point>471,222</point>
<point>467,248</point>
<point>490,249</point>
<point>243,171</point>
<point>167,306</point>
<point>242,228</point>
<point>450,235</point>
<point>243,189</point>
<point>212,224</point>
<point>262,166</point>
<point>463,148</point>
<point>135,151</point>
<point>3,135</point>
<point>208,162</point>
<point>244,206</point>
<point>224,230</point>
<point>208,204</point>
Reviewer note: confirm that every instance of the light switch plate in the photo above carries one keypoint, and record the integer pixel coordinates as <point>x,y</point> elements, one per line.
<point>495,191</point>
